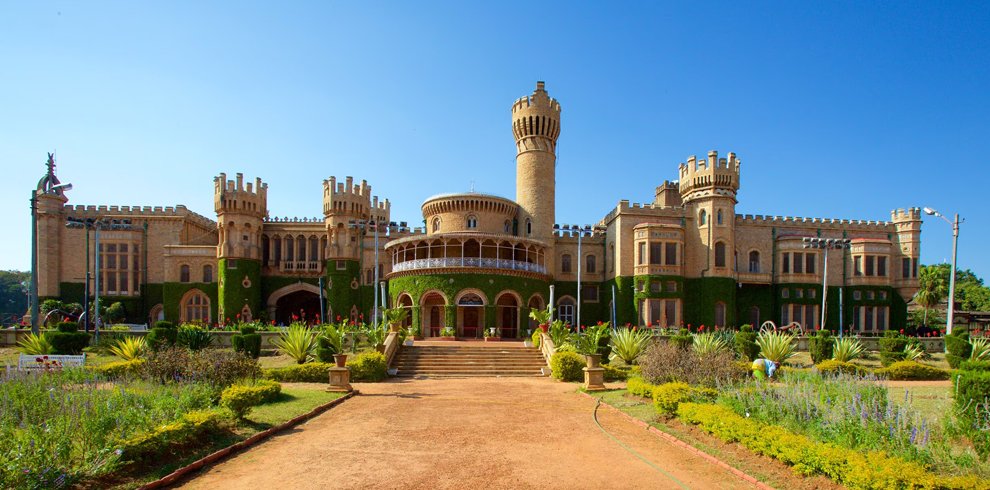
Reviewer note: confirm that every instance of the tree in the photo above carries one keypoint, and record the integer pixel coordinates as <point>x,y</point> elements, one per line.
<point>933,288</point>
<point>13,295</point>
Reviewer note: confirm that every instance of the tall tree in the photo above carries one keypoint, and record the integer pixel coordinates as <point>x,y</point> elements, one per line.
<point>13,297</point>
<point>933,288</point>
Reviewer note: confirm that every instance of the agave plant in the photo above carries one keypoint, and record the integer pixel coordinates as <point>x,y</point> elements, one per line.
<point>776,346</point>
<point>129,348</point>
<point>914,353</point>
<point>194,337</point>
<point>35,344</point>
<point>628,344</point>
<point>981,349</point>
<point>846,349</point>
<point>709,343</point>
<point>297,342</point>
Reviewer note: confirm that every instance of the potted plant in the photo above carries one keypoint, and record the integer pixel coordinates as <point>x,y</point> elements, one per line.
<point>490,335</point>
<point>542,317</point>
<point>331,344</point>
<point>406,336</point>
<point>415,332</point>
<point>447,333</point>
<point>376,337</point>
<point>395,317</point>
<point>590,344</point>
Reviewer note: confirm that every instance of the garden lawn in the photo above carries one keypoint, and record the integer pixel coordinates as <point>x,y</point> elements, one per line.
<point>870,360</point>
<point>931,398</point>
<point>295,399</point>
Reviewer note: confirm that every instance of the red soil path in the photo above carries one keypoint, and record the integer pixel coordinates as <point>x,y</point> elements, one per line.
<point>464,433</point>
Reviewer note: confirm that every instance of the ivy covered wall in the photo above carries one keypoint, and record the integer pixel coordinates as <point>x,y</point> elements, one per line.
<point>758,295</point>
<point>701,294</point>
<point>239,284</point>
<point>172,293</point>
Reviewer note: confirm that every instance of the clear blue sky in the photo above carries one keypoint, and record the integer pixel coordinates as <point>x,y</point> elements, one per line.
<point>837,109</point>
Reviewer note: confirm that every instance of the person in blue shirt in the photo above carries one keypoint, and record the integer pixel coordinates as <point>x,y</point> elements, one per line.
<point>764,368</point>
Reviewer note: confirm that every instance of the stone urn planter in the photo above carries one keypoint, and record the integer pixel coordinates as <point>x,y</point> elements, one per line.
<point>408,342</point>
<point>593,360</point>
<point>340,360</point>
<point>544,327</point>
<point>394,327</point>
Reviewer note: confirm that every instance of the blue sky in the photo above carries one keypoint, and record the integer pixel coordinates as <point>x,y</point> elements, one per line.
<point>837,109</point>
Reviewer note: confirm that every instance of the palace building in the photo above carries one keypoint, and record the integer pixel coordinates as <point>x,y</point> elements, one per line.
<point>484,261</point>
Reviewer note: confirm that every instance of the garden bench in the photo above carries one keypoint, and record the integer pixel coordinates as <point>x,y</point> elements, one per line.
<point>28,362</point>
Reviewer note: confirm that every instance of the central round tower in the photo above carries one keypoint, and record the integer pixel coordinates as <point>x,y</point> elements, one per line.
<point>536,126</point>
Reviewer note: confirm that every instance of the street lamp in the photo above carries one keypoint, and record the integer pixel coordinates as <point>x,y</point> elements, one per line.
<point>827,244</point>
<point>581,231</point>
<point>88,224</point>
<point>952,275</point>
<point>374,225</point>
<point>48,185</point>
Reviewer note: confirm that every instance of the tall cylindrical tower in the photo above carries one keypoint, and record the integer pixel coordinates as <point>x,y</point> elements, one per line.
<point>241,210</point>
<point>536,126</point>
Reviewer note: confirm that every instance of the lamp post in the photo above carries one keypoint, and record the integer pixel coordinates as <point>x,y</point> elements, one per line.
<point>581,232</point>
<point>827,244</point>
<point>374,225</point>
<point>952,274</point>
<point>87,224</point>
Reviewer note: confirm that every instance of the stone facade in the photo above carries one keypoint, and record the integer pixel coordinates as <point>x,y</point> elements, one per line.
<point>482,262</point>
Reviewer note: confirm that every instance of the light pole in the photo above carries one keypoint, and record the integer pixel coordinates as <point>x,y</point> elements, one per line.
<point>952,274</point>
<point>827,244</point>
<point>589,231</point>
<point>87,224</point>
<point>374,225</point>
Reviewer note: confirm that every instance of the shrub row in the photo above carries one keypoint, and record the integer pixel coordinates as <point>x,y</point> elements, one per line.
<point>119,369</point>
<point>167,440</point>
<point>900,370</point>
<point>972,403</point>
<point>852,468</point>
<point>833,367</point>
<point>240,398</point>
<point>367,366</point>
<point>566,366</point>
<point>311,372</point>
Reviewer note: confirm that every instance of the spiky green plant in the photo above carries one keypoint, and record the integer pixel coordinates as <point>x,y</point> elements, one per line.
<point>297,342</point>
<point>559,332</point>
<point>593,340</point>
<point>981,349</point>
<point>395,316</point>
<point>375,335</point>
<point>541,316</point>
<point>35,344</point>
<point>129,348</point>
<point>629,343</point>
<point>776,346</point>
<point>709,343</point>
<point>847,349</point>
<point>914,353</point>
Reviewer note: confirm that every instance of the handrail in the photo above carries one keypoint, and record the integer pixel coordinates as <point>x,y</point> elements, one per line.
<point>392,345</point>
<point>546,347</point>
<point>490,263</point>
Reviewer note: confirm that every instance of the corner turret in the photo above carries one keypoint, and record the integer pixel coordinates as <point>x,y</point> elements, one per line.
<point>536,127</point>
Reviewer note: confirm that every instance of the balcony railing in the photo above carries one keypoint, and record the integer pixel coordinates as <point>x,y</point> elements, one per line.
<point>447,262</point>
<point>656,269</point>
<point>754,277</point>
<point>307,266</point>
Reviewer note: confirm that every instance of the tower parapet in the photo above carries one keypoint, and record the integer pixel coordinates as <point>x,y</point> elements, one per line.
<point>241,209</point>
<point>708,177</point>
<point>536,127</point>
<point>346,203</point>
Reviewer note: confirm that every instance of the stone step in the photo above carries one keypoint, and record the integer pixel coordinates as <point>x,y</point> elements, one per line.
<point>510,359</point>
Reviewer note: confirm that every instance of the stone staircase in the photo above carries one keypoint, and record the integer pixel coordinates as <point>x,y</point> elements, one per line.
<point>462,359</point>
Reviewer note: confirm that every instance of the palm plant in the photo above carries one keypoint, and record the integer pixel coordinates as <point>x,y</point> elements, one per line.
<point>35,344</point>
<point>847,349</point>
<point>395,316</point>
<point>709,343</point>
<point>375,335</point>
<point>628,343</point>
<point>776,346</point>
<point>981,349</point>
<point>932,289</point>
<point>591,342</point>
<point>297,342</point>
<point>129,348</point>
<point>559,332</point>
<point>541,316</point>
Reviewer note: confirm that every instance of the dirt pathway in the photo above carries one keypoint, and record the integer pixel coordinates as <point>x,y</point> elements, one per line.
<point>464,433</point>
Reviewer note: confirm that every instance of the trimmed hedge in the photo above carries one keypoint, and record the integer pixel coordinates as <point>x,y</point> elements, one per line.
<point>668,396</point>
<point>169,439</point>
<point>684,341</point>
<point>247,343</point>
<point>537,338</point>
<point>68,343</point>
<point>974,366</point>
<point>852,468</point>
<point>161,337</point>
<point>820,346</point>
<point>566,366</point>
<point>832,367</point>
<point>957,348</point>
<point>912,371</point>
<point>613,373</point>
<point>745,343</point>
<point>368,366</point>
<point>240,398</point>
<point>118,369</point>
<point>639,387</point>
<point>311,372</point>
<point>892,346</point>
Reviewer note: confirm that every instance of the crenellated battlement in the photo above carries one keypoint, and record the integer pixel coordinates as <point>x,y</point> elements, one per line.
<point>353,200</point>
<point>540,99</point>
<point>236,196</point>
<point>817,222</point>
<point>711,176</point>
<point>901,215</point>
<point>140,212</point>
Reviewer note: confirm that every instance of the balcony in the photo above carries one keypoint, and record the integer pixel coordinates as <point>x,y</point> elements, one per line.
<point>304,267</point>
<point>659,270</point>
<point>754,277</point>
<point>468,262</point>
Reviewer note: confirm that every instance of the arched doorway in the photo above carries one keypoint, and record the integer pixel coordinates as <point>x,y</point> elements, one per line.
<point>303,306</point>
<point>470,314</point>
<point>433,314</point>
<point>405,301</point>
<point>535,303</point>
<point>507,315</point>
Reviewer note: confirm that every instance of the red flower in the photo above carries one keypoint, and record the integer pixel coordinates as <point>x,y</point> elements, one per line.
<point>273,323</point>
<point>902,331</point>
<point>295,317</point>
<point>238,316</point>
<point>338,318</point>
<point>361,316</point>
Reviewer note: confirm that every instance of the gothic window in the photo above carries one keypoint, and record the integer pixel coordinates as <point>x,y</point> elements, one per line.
<point>529,227</point>
<point>196,307</point>
<point>718,217</point>
<point>184,273</point>
<point>719,254</point>
<point>590,264</point>
<point>720,314</point>
<point>754,261</point>
<point>703,217</point>
<point>565,263</point>
<point>472,222</point>
<point>207,273</point>
<point>436,225</point>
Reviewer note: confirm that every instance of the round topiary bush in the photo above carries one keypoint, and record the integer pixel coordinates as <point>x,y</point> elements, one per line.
<point>833,367</point>
<point>821,345</point>
<point>892,346</point>
<point>566,366</point>
<point>957,348</point>
<point>745,343</point>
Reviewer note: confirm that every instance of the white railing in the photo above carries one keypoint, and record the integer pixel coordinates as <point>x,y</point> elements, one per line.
<point>443,262</point>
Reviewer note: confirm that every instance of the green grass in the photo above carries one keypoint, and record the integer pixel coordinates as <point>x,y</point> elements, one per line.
<point>294,400</point>
<point>871,360</point>
<point>932,401</point>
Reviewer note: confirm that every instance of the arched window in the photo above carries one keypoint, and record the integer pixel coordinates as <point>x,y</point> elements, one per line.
<point>754,316</point>
<point>754,261</point>
<point>565,310</point>
<point>472,222</point>
<point>184,273</point>
<point>703,217</point>
<point>720,314</point>
<point>718,217</point>
<point>590,264</point>
<point>565,263</point>
<point>369,276</point>
<point>196,307</point>
<point>508,226</point>
<point>529,227</point>
<point>719,254</point>
<point>436,225</point>
<point>207,273</point>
